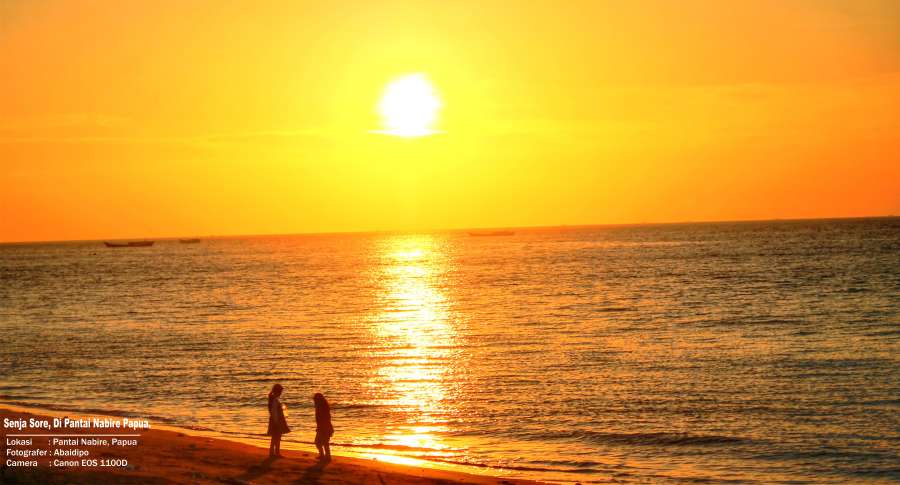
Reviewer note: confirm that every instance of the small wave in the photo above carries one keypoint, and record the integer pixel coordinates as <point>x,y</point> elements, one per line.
<point>882,402</point>
<point>358,406</point>
<point>525,468</point>
<point>841,365</point>
<point>883,333</point>
<point>14,387</point>
<point>610,309</point>
<point>804,333</point>
<point>871,473</point>
<point>573,463</point>
<point>388,446</point>
<point>856,290</point>
<point>820,454</point>
<point>596,309</point>
<point>654,439</point>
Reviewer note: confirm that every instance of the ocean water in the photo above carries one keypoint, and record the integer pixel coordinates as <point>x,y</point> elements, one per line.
<point>752,352</point>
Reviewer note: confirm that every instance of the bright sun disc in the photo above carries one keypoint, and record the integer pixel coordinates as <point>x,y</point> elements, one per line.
<point>409,106</point>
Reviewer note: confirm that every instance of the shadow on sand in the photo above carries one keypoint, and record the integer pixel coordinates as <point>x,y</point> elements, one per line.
<point>313,474</point>
<point>255,471</point>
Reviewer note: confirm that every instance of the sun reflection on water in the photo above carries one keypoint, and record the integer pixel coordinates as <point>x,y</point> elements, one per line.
<point>416,342</point>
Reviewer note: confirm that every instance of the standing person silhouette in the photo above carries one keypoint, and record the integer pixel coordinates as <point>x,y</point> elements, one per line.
<point>277,422</point>
<point>324,429</point>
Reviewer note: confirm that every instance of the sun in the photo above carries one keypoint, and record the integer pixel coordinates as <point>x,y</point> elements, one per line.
<point>409,106</point>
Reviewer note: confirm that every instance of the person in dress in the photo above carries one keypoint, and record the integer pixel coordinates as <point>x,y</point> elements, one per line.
<point>324,429</point>
<point>277,422</point>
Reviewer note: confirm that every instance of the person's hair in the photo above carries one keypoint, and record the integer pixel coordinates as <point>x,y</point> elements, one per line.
<point>320,400</point>
<point>276,391</point>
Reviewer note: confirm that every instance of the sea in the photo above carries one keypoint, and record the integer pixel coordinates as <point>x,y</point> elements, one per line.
<point>735,352</point>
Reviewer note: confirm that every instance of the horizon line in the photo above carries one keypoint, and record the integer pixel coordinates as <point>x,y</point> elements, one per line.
<point>454,229</point>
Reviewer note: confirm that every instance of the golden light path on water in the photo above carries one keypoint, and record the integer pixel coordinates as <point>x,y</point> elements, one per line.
<point>417,341</point>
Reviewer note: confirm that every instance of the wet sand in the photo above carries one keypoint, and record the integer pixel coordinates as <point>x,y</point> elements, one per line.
<point>170,456</point>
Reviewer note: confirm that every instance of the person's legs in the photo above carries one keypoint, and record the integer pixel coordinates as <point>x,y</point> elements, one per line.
<point>327,449</point>
<point>276,445</point>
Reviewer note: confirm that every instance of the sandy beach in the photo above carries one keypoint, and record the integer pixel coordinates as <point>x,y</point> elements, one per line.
<point>170,456</point>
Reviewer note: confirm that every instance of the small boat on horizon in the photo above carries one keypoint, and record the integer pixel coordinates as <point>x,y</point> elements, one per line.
<point>491,233</point>
<point>132,244</point>
<point>190,240</point>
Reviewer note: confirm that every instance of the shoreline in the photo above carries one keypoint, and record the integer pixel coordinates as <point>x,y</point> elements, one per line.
<point>168,454</point>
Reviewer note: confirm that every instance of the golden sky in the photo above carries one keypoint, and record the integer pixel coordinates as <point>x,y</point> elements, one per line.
<point>198,117</point>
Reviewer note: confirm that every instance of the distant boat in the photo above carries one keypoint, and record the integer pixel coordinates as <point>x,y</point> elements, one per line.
<point>132,244</point>
<point>491,233</point>
<point>192,240</point>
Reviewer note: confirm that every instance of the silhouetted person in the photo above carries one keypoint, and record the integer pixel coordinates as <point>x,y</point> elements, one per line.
<point>277,423</point>
<point>324,429</point>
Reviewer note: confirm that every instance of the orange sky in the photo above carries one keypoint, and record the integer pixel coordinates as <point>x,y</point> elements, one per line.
<point>166,118</point>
